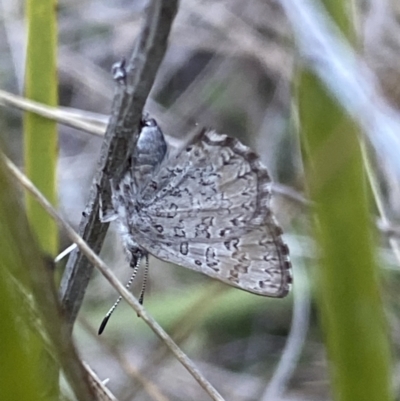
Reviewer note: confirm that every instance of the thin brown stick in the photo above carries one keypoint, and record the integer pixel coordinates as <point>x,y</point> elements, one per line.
<point>120,139</point>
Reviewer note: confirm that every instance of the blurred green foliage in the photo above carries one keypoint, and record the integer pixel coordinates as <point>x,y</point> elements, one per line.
<point>40,134</point>
<point>348,289</point>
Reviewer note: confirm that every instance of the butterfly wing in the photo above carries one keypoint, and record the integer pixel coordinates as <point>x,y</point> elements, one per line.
<point>207,209</point>
<point>253,261</point>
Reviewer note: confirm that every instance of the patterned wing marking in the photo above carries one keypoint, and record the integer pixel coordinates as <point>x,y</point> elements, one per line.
<point>212,202</point>
<point>255,261</point>
<point>216,176</point>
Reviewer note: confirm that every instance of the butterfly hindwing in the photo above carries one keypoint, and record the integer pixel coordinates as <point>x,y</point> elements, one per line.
<point>207,208</point>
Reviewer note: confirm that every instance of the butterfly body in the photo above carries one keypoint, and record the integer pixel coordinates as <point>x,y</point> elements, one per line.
<point>204,207</point>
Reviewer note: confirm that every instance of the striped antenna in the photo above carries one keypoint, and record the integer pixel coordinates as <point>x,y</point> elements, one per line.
<point>112,309</point>
<point>145,275</point>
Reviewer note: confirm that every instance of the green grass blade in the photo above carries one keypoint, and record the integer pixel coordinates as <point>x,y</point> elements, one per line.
<point>349,300</point>
<point>40,134</point>
<point>20,378</point>
<point>41,146</point>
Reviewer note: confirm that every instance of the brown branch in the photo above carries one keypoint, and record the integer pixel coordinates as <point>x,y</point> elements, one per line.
<point>119,142</point>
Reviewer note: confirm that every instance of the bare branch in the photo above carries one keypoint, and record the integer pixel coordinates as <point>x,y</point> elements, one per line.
<point>296,339</point>
<point>120,140</point>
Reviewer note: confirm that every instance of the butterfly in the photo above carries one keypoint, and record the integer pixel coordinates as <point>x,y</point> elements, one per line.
<point>204,206</point>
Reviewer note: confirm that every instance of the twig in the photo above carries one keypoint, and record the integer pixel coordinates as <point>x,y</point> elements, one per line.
<point>378,197</point>
<point>99,388</point>
<point>291,194</point>
<point>296,339</point>
<point>119,142</point>
<point>130,370</point>
<point>180,329</point>
<point>107,272</point>
<point>390,230</point>
<point>53,113</point>
<point>64,253</point>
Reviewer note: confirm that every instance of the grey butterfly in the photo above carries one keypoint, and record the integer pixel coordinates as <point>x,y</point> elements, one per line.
<point>204,207</point>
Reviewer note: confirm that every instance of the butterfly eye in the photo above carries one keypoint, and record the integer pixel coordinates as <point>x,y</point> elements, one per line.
<point>147,122</point>
<point>150,123</point>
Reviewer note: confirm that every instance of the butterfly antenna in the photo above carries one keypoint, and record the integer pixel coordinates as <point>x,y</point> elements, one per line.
<point>145,275</point>
<point>112,309</point>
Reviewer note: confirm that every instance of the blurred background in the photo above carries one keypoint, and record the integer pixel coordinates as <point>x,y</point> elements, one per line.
<point>230,66</point>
